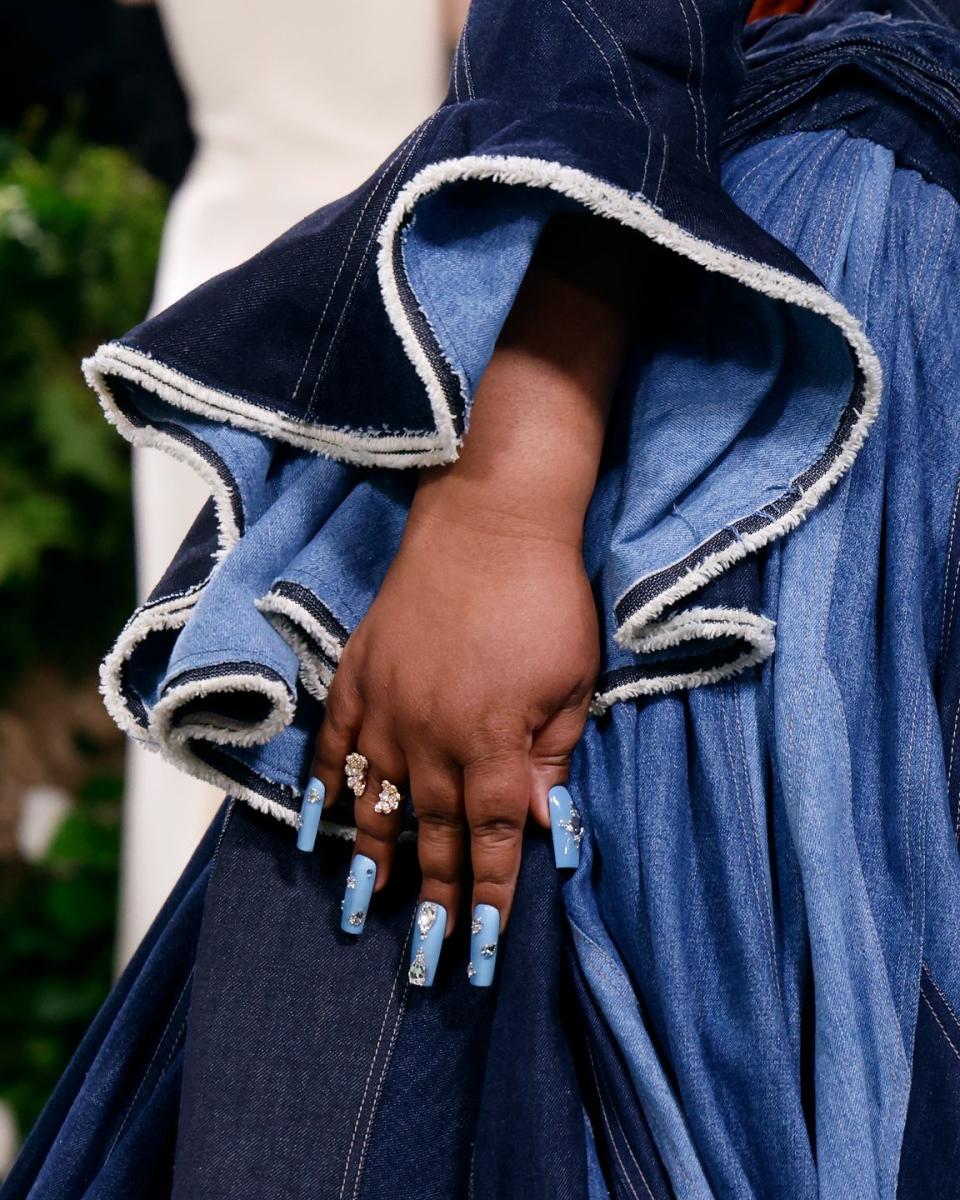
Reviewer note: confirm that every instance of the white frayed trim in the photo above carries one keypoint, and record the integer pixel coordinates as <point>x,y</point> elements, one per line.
<point>368,450</point>
<point>698,622</point>
<point>168,614</point>
<point>212,727</point>
<point>637,213</point>
<point>147,435</point>
<point>691,625</point>
<point>288,617</point>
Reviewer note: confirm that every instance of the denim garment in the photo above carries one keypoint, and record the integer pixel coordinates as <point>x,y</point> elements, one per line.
<point>766,909</point>
<point>109,1129</point>
<point>888,71</point>
<point>308,1068</point>
<point>612,106</point>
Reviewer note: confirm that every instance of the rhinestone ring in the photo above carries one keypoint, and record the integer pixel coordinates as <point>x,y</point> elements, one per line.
<point>389,799</point>
<point>355,769</point>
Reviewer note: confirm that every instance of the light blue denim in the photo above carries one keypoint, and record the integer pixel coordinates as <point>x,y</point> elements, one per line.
<point>767,863</point>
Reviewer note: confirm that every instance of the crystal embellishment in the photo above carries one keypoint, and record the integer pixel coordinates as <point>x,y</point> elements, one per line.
<point>351,881</point>
<point>355,769</point>
<point>476,925</point>
<point>313,795</point>
<point>426,918</point>
<point>573,827</point>
<point>471,970</point>
<point>389,799</point>
<point>489,950</point>
<point>357,918</point>
<point>417,975</point>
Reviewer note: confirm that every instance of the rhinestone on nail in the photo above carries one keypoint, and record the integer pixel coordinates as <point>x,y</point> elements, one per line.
<point>313,795</point>
<point>351,881</point>
<point>417,975</point>
<point>426,917</point>
<point>357,918</point>
<point>573,827</point>
<point>389,800</point>
<point>471,970</point>
<point>489,950</point>
<point>476,925</point>
<point>355,768</point>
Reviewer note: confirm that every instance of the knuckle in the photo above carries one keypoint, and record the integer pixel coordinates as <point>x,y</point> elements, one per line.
<point>441,820</point>
<point>497,831</point>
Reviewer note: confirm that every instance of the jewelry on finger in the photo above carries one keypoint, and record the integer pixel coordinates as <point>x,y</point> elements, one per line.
<point>388,800</point>
<point>355,769</point>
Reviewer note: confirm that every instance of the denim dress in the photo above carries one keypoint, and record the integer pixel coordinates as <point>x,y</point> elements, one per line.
<point>749,987</point>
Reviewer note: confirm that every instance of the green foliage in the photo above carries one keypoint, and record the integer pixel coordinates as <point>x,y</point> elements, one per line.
<point>57,918</point>
<point>79,231</point>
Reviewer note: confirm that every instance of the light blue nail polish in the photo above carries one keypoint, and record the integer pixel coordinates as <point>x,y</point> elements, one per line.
<point>311,810</point>
<point>566,827</point>
<point>428,929</point>
<point>484,938</point>
<point>356,896</point>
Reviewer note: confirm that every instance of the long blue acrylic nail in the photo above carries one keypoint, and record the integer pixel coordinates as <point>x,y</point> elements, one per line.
<point>356,896</point>
<point>484,936</point>
<point>311,810</point>
<point>428,929</point>
<point>566,827</point>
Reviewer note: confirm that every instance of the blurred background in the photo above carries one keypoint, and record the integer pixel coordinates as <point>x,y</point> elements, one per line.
<point>143,148</point>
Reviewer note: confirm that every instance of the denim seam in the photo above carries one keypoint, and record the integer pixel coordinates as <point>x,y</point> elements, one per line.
<point>950,762</point>
<point>609,969</point>
<point>949,1040</point>
<point>465,51</point>
<point>373,1063</point>
<point>946,623</point>
<point>388,1058</point>
<point>143,1078</point>
<point>345,306</point>
<point>693,104</point>
<point>633,88</point>
<point>613,1141</point>
<point>933,290</point>
<point>600,51</point>
<point>343,262</point>
<point>936,988</point>
<point>760,880</point>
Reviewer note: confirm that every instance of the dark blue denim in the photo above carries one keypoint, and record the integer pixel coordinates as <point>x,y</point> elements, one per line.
<point>361,334</point>
<point>313,1070</point>
<point>307,1067</point>
<point>930,1160</point>
<point>884,70</point>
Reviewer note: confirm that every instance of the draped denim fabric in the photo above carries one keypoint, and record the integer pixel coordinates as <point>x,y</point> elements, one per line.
<point>770,892</point>
<point>308,1068</point>
<point>748,391</point>
<point>767,896</point>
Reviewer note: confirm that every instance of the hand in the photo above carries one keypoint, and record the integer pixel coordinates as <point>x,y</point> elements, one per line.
<point>467,684</point>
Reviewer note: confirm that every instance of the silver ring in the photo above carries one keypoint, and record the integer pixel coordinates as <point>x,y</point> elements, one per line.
<point>355,769</point>
<point>388,800</point>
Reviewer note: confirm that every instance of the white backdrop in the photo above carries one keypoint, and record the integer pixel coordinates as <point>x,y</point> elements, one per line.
<point>294,103</point>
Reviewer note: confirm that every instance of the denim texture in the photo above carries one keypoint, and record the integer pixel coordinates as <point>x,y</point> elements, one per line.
<point>109,1129</point>
<point>765,908</point>
<point>362,334</point>
<point>253,1050</point>
<point>887,71</point>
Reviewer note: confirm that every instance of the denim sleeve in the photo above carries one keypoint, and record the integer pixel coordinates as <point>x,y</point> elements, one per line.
<point>358,338</point>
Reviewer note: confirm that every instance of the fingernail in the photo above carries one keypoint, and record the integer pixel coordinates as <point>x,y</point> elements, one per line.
<point>566,827</point>
<point>484,936</point>
<point>311,810</point>
<point>356,896</point>
<point>428,929</point>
